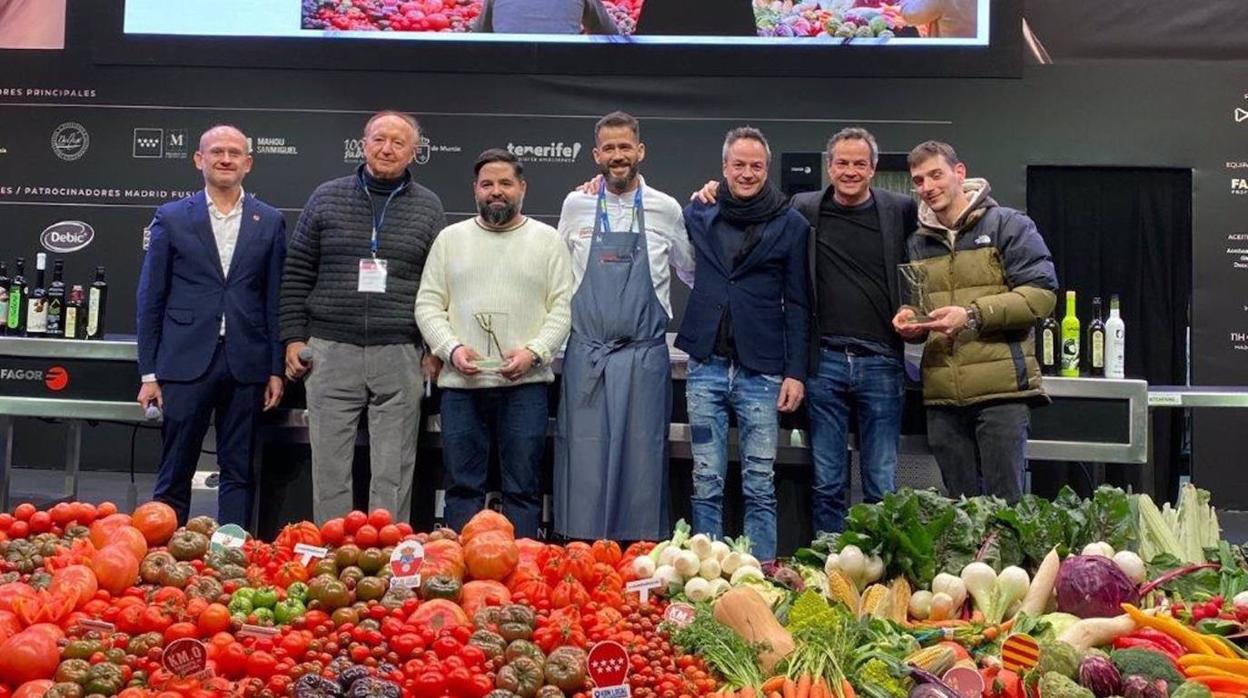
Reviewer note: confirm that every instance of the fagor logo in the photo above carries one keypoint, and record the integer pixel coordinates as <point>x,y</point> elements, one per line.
<point>1239,186</point>
<point>56,378</point>
<point>550,152</point>
<point>67,236</point>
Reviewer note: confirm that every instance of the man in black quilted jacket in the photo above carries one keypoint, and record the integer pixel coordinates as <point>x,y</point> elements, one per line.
<point>347,319</point>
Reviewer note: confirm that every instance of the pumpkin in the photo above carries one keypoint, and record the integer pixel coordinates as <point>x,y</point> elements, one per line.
<point>101,531</point>
<point>437,614</point>
<point>115,568</point>
<point>443,557</point>
<point>491,555</point>
<point>479,594</point>
<point>744,610</point>
<point>156,521</point>
<point>485,521</point>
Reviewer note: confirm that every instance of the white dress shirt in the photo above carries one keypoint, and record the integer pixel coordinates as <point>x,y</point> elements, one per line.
<point>666,239</point>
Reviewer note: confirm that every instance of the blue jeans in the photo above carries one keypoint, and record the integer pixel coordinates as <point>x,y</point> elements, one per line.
<point>471,420</point>
<point>712,388</point>
<point>875,385</point>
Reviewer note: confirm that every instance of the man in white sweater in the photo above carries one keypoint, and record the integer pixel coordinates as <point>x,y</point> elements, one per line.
<point>493,304</point>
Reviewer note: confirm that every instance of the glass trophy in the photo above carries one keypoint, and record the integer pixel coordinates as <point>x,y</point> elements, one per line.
<point>486,340</point>
<point>914,290</point>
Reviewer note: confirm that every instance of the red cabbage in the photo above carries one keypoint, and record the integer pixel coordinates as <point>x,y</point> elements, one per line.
<point>1091,586</point>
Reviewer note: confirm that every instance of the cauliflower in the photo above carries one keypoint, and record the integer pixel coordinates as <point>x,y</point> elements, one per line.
<point>876,678</point>
<point>1059,657</point>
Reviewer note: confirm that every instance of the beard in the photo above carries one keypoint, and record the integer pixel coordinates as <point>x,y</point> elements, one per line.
<point>497,215</point>
<point>619,184</point>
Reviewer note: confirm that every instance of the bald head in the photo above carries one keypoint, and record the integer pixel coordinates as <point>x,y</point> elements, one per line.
<point>223,157</point>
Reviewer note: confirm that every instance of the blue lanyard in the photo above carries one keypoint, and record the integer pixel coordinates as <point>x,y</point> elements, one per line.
<point>378,221</point>
<point>602,209</point>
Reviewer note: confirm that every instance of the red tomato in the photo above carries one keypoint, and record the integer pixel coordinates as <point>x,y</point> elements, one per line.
<point>261,665</point>
<point>62,513</point>
<point>33,689</point>
<point>389,535</point>
<point>232,660</point>
<point>366,536</point>
<point>353,521</point>
<point>333,532</point>
<point>19,529</point>
<point>85,512</point>
<point>24,511</point>
<point>180,630</point>
<point>214,619</point>
<point>379,517</point>
<point>6,520</point>
<point>105,509</point>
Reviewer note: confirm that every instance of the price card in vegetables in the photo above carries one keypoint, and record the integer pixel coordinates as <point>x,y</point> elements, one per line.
<point>185,656</point>
<point>607,665</point>
<point>680,614</point>
<point>405,564</point>
<point>1020,652</point>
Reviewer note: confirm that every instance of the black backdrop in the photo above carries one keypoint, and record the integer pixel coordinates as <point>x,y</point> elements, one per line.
<point>1172,114</point>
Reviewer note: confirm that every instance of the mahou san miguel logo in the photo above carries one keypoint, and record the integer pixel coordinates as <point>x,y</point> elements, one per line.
<point>55,378</point>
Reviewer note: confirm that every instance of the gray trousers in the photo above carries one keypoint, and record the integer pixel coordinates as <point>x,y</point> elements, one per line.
<point>344,380</point>
<point>981,449</point>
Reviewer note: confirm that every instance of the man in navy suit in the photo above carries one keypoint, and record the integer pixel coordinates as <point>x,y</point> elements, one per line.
<point>745,330</point>
<point>207,325</point>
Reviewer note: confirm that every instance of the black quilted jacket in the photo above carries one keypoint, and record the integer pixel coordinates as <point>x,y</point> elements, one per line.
<point>319,287</point>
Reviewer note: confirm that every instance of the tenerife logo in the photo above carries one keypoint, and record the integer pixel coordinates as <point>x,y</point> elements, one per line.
<point>70,141</point>
<point>551,152</point>
<point>66,236</point>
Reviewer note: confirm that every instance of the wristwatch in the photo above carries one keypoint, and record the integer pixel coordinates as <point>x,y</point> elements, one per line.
<point>537,358</point>
<point>972,318</point>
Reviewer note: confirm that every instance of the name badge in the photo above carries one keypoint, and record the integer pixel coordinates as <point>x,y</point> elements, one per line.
<point>372,276</point>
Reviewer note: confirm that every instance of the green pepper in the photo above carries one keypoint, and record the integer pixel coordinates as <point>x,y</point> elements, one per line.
<point>240,605</point>
<point>264,616</point>
<point>264,598</point>
<point>288,610</point>
<point>298,591</point>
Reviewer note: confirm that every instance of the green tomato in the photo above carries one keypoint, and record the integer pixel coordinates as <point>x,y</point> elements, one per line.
<point>264,616</point>
<point>245,593</point>
<point>264,598</point>
<point>240,605</point>
<point>288,610</point>
<point>298,591</point>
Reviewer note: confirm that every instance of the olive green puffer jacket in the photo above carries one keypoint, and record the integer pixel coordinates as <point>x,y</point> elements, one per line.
<point>994,259</point>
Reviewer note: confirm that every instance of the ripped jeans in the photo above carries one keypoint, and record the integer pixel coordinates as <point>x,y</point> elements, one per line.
<point>712,387</point>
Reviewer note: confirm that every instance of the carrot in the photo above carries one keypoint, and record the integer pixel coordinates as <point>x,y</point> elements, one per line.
<point>803,686</point>
<point>746,692</point>
<point>1203,670</point>
<point>1230,684</point>
<point>1239,667</point>
<point>847,688</point>
<point>1225,694</point>
<point>789,690</point>
<point>819,689</point>
<point>774,694</point>
<point>773,684</point>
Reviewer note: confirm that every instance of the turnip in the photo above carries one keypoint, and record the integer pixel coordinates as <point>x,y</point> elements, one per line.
<point>874,570</point>
<point>1131,565</point>
<point>952,586</point>
<point>687,563</point>
<point>697,589</point>
<point>1100,548</point>
<point>643,567</point>
<point>730,563</point>
<point>672,580</point>
<point>942,607</point>
<point>709,569</point>
<point>853,563</point>
<point>720,550</point>
<point>701,546</point>
<point>921,604</point>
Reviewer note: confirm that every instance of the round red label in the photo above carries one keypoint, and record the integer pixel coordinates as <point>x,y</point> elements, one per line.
<point>407,558</point>
<point>608,664</point>
<point>680,614</point>
<point>185,656</point>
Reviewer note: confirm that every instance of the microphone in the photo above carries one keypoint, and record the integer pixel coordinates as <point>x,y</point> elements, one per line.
<point>305,356</point>
<point>153,413</point>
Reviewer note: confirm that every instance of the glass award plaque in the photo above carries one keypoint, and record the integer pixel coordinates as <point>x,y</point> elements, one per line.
<point>914,290</point>
<point>486,341</point>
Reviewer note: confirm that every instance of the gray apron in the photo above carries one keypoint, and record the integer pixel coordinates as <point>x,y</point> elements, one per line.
<point>615,405</point>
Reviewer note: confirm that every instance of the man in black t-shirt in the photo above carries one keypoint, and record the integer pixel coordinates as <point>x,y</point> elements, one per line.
<point>858,241</point>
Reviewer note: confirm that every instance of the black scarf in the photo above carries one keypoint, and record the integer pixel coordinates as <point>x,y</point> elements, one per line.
<point>760,208</point>
<point>383,187</point>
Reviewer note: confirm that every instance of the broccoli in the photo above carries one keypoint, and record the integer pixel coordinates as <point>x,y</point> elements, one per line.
<point>1055,685</point>
<point>1192,689</point>
<point>1059,657</point>
<point>1136,661</point>
<point>877,678</point>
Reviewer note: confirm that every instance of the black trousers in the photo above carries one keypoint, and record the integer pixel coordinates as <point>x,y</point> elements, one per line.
<point>981,449</point>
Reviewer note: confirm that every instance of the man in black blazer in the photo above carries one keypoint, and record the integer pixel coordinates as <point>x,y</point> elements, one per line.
<point>857,241</point>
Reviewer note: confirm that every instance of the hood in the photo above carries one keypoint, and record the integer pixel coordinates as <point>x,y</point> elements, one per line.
<point>977,191</point>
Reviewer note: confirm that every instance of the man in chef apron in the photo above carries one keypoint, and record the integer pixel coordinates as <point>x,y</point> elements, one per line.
<point>611,448</point>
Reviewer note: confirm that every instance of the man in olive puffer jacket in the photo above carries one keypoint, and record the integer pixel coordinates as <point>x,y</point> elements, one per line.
<point>990,277</point>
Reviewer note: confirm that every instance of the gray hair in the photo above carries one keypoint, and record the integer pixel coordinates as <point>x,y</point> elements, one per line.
<point>746,133</point>
<point>854,133</point>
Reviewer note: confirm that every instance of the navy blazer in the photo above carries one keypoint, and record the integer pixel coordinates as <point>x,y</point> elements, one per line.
<point>183,293</point>
<point>767,293</point>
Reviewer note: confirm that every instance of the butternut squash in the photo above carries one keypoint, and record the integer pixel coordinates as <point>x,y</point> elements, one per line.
<point>744,611</point>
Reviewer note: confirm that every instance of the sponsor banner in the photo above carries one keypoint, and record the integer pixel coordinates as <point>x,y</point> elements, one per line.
<point>67,236</point>
<point>70,141</point>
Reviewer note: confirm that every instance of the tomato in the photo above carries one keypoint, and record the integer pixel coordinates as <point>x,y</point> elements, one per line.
<point>180,630</point>
<point>40,522</point>
<point>105,509</point>
<point>232,660</point>
<point>389,535</point>
<point>24,511</point>
<point>366,536</point>
<point>6,520</point>
<point>333,532</point>
<point>353,521</point>
<point>379,518</point>
<point>19,529</point>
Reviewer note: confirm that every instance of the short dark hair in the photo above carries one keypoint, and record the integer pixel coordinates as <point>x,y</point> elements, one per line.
<point>929,149</point>
<point>617,119</point>
<point>854,133</point>
<point>411,120</point>
<point>498,155</point>
<point>748,133</point>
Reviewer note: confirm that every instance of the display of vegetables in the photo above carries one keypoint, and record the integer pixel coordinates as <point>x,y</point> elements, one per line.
<point>91,597</point>
<point>424,15</point>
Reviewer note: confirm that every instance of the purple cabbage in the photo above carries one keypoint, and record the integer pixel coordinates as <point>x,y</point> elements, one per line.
<point>1099,675</point>
<point>1140,687</point>
<point>1091,586</point>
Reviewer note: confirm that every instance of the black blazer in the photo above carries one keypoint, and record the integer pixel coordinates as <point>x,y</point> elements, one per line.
<point>899,218</point>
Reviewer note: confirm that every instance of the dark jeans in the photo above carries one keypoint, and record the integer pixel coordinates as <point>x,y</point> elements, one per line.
<point>471,420</point>
<point>189,405</point>
<point>981,449</point>
<point>874,385</point>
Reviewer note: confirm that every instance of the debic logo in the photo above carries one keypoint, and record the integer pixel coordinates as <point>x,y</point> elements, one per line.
<point>66,236</point>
